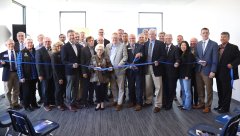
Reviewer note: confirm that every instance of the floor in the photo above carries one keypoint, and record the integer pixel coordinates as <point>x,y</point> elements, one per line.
<point>88,122</point>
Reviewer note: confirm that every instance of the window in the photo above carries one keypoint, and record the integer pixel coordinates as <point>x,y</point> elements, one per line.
<point>72,20</point>
<point>151,19</point>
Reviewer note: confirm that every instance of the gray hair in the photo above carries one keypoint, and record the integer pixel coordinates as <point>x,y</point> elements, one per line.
<point>99,46</point>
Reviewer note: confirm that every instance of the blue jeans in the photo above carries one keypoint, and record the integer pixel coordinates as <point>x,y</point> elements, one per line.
<point>186,93</point>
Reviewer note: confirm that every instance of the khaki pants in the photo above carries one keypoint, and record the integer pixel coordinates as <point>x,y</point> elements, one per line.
<point>117,87</point>
<point>11,88</point>
<point>151,80</point>
<point>202,81</point>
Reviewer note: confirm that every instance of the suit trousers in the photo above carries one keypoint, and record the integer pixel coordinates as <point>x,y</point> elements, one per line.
<point>117,87</point>
<point>202,81</point>
<point>135,86</point>
<point>29,93</point>
<point>88,90</point>
<point>224,93</point>
<point>152,81</point>
<point>72,88</point>
<point>11,88</point>
<point>59,92</point>
<point>48,92</point>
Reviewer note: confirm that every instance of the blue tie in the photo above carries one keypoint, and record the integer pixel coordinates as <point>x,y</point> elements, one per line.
<point>13,66</point>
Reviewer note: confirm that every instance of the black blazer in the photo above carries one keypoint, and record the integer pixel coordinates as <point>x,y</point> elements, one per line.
<point>186,66</point>
<point>231,55</point>
<point>86,59</point>
<point>172,57</point>
<point>17,46</point>
<point>69,58</point>
<point>6,67</point>
<point>44,70</point>
<point>131,56</point>
<point>106,41</point>
<point>57,66</point>
<point>158,54</point>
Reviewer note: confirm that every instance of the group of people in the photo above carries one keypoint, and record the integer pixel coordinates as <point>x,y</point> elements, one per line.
<point>68,74</point>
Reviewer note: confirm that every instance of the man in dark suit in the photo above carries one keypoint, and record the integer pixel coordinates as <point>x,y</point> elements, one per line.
<point>135,74</point>
<point>87,53</point>
<point>207,58</point>
<point>101,35</point>
<point>9,75</point>
<point>45,75</point>
<point>20,44</point>
<point>154,51</point>
<point>71,54</point>
<point>229,59</point>
<point>171,72</point>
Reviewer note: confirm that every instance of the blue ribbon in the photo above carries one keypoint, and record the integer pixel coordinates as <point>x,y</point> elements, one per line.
<point>231,75</point>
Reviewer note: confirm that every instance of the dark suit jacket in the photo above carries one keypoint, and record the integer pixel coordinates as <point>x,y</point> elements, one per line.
<point>86,59</point>
<point>58,68</point>
<point>44,70</point>
<point>106,41</point>
<point>186,66</point>
<point>231,55</point>
<point>6,67</point>
<point>131,56</point>
<point>158,54</point>
<point>17,46</point>
<point>210,55</point>
<point>172,57</point>
<point>69,58</point>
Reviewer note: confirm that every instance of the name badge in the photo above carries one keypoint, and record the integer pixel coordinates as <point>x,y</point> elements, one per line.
<point>25,55</point>
<point>129,48</point>
<point>5,55</point>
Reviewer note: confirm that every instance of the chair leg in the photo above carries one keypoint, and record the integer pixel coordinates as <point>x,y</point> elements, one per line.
<point>8,128</point>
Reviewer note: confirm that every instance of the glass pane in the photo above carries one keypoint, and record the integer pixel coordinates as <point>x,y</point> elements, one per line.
<point>151,19</point>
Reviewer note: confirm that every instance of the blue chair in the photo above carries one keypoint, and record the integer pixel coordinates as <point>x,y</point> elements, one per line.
<point>5,122</point>
<point>229,129</point>
<point>23,125</point>
<point>223,119</point>
<point>237,110</point>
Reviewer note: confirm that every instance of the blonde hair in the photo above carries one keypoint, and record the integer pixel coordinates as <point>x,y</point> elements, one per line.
<point>55,45</point>
<point>99,46</point>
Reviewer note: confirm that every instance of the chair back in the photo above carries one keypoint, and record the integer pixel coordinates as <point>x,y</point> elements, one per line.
<point>231,127</point>
<point>21,123</point>
<point>5,120</point>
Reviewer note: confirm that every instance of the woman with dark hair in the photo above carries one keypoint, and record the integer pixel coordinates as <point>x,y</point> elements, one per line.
<point>185,72</point>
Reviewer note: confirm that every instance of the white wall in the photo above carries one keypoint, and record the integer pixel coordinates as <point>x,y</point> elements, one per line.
<point>186,18</point>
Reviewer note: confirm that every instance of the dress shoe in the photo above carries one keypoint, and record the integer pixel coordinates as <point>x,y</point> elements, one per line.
<point>102,106</point>
<point>97,108</point>
<point>138,107</point>
<point>206,110</point>
<point>118,107</point>
<point>217,108</point>
<point>156,109</point>
<point>221,110</point>
<point>180,106</point>
<point>198,107</point>
<point>47,108</point>
<point>130,105</point>
<point>72,108</point>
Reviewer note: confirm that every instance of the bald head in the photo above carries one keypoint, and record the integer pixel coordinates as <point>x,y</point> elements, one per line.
<point>193,42</point>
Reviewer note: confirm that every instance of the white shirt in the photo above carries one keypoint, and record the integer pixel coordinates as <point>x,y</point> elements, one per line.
<point>75,49</point>
<point>205,43</point>
<point>9,56</point>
